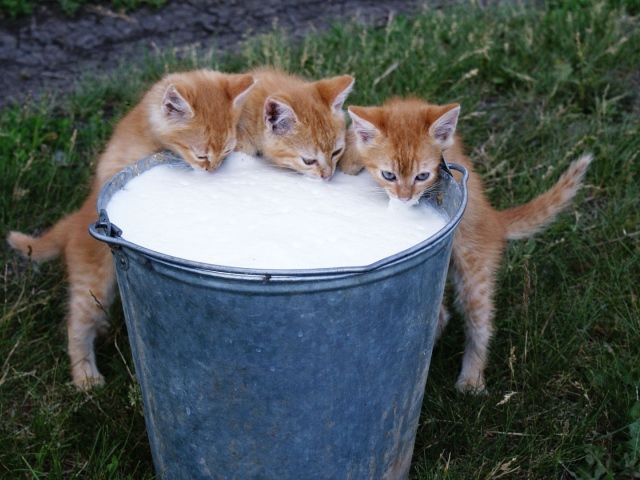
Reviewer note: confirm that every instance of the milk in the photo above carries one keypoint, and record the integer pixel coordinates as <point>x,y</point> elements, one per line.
<point>251,214</point>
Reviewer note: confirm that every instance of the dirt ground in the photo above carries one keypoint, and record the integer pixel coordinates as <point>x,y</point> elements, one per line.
<point>50,51</point>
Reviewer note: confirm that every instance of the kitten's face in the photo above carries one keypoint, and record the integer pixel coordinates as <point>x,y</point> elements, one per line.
<point>401,144</point>
<point>198,113</point>
<point>306,132</point>
<point>204,148</point>
<point>407,179</point>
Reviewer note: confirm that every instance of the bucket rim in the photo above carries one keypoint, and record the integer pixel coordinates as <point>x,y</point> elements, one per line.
<point>107,232</point>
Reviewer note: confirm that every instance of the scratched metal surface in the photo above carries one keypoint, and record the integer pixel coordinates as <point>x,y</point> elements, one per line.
<point>282,374</point>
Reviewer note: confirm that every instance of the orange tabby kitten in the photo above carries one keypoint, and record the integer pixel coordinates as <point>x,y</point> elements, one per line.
<point>295,123</point>
<point>401,144</point>
<point>195,115</point>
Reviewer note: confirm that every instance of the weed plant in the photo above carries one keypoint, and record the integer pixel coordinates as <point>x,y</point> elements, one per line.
<point>538,87</point>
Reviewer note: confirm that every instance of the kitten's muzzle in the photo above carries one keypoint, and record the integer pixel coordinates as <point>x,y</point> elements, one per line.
<point>213,166</point>
<point>326,173</point>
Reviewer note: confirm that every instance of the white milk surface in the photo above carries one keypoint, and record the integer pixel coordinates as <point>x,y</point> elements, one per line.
<point>251,214</point>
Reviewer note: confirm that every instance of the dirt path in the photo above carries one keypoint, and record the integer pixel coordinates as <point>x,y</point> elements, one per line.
<point>50,51</point>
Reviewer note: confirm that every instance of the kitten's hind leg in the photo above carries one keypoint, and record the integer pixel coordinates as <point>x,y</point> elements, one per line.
<point>92,287</point>
<point>474,276</point>
<point>86,318</point>
<point>443,320</point>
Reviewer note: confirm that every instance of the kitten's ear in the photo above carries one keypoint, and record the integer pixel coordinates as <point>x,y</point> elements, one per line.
<point>279,116</point>
<point>334,91</point>
<point>239,87</point>
<point>444,127</point>
<point>174,106</point>
<point>362,119</point>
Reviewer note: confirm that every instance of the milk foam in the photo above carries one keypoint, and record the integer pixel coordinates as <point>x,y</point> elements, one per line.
<point>251,214</point>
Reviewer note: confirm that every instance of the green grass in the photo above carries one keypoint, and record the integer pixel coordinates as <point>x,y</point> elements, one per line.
<point>20,8</point>
<point>538,87</point>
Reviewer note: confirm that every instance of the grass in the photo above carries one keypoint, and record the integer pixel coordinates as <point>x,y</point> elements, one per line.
<point>538,87</point>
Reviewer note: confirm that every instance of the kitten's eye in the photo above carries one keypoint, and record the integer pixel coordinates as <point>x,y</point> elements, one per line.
<point>199,156</point>
<point>388,175</point>
<point>309,161</point>
<point>336,153</point>
<point>422,176</point>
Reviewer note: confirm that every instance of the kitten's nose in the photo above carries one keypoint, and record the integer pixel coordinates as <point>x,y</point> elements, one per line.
<point>326,173</point>
<point>409,201</point>
<point>405,193</point>
<point>213,164</point>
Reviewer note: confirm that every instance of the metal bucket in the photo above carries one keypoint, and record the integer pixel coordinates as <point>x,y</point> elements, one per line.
<point>281,374</point>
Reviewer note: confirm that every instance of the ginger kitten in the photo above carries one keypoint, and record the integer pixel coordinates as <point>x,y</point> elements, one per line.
<point>295,123</point>
<point>193,114</point>
<point>404,161</point>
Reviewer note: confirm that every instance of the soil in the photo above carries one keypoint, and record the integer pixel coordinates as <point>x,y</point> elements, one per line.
<point>49,51</point>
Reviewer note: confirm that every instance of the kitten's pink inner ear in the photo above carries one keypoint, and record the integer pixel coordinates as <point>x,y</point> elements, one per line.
<point>239,88</point>
<point>278,116</point>
<point>444,127</point>
<point>365,130</point>
<point>174,106</point>
<point>335,91</point>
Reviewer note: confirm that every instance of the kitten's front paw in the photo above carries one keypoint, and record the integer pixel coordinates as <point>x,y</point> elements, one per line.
<point>350,167</point>
<point>474,386</point>
<point>351,171</point>
<point>86,377</point>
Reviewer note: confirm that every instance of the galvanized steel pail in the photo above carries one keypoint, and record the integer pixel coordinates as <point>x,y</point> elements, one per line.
<point>281,374</point>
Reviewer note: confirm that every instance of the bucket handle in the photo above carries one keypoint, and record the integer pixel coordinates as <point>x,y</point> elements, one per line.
<point>110,230</point>
<point>447,167</point>
<point>110,234</point>
<point>463,171</point>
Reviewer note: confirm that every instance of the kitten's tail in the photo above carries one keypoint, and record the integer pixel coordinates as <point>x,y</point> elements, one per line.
<point>525,220</point>
<point>39,249</point>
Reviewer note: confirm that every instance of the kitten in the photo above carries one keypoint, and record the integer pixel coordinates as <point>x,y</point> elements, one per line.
<point>192,113</point>
<point>401,144</point>
<point>295,123</point>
